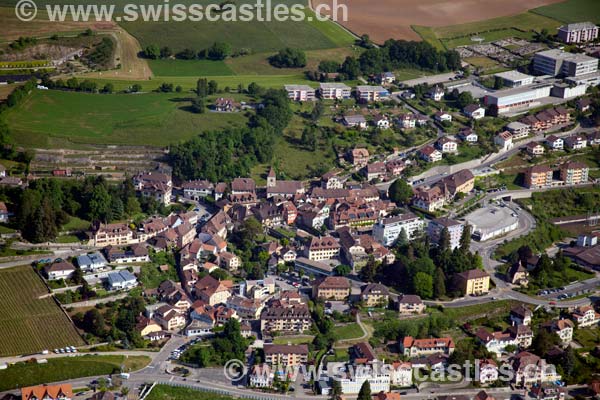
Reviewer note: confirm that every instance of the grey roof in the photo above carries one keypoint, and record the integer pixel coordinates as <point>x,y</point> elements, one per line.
<point>120,277</point>
<point>89,259</point>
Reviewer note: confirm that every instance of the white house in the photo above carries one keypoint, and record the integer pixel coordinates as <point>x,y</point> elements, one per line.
<point>401,374</point>
<point>446,145</point>
<point>436,93</point>
<point>407,121</point>
<point>91,262</point>
<point>555,143</point>
<point>357,120</point>
<point>487,371</point>
<point>576,142</point>
<point>59,270</point>
<point>585,316</point>
<point>504,140</point>
<point>474,111</point>
<point>381,121</point>
<point>443,116</point>
<point>121,280</point>
<point>430,154</point>
<point>468,135</point>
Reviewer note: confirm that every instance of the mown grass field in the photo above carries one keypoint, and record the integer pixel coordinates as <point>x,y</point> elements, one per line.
<point>572,11</point>
<point>195,68</point>
<point>59,119</point>
<point>254,36</point>
<point>63,368</point>
<point>348,332</point>
<point>164,392</point>
<point>29,324</point>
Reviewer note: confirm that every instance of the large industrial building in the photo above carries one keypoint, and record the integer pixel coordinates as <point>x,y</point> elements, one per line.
<point>519,98</point>
<point>491,221</point>
<point>556,62</point>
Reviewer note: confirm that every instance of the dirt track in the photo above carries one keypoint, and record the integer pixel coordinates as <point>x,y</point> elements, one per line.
<point>384,19</point>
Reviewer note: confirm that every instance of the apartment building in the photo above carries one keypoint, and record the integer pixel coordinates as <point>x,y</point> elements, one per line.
<point>285,355</point>
<point>331,288</point>
<point>334,90</point>
<point>574,173</point>
<point>454,228</point>
<point>375,295</point>
<point>412,347</point>
<point>473,282</point>
<point>538,176</point>
<point>323,248</point>
<point>578,32</point>
<point>300,92</point>
<point>370,93</point>
<point>112,235</point>
<point>286,318</point>
<point>410,304</point>
<point>387,230</point>
<point>558,62</point>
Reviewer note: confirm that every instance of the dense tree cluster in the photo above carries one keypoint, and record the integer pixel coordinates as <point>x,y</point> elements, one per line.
<point>224,155</point>
<point>217,51</point>
<point>394,54</point>
<point>288,58</point>
<point>116,321</point>
<point>430,269</point>
<point>47,203</point>
<point>229,345</point>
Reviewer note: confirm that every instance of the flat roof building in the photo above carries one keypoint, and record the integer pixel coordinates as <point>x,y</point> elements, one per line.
<point>556,62</point>
<point>515,78</point>
<point>518,98</point>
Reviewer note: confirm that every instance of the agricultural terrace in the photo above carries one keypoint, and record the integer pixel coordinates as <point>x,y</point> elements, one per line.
<point>28,323</point>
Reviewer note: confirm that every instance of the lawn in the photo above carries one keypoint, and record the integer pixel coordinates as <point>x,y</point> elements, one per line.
<point>347,332</point>
<point>572,11</point>
<point>189,82</point>
<point>254,36</point>
<point>428,35</point>
<point>293,339</point>
<point>60,369</point>
<point>29,324</point>
<point>589,338</point>
<point>60,119</point>
<point>75,224</point>
<point>194,68</point>
<point>165,392</point>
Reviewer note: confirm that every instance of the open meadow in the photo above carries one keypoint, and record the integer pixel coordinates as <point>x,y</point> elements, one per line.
<point>56,119</point>
<point>572,11</point>
<point>392,20</point>
<point>30,324</point>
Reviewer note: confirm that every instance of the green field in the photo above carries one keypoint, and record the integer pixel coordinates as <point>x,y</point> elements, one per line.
<point>164,392</point>
<point>347,332</point>
<point>520,25</point>
<point>29,324</point>
<point>63,368</point>
<point>189,82</point>
<point>488,37</point>
<point>572,11</point>
<point>66,119</point>
<point>194,68</point>
<point>254,36</point>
